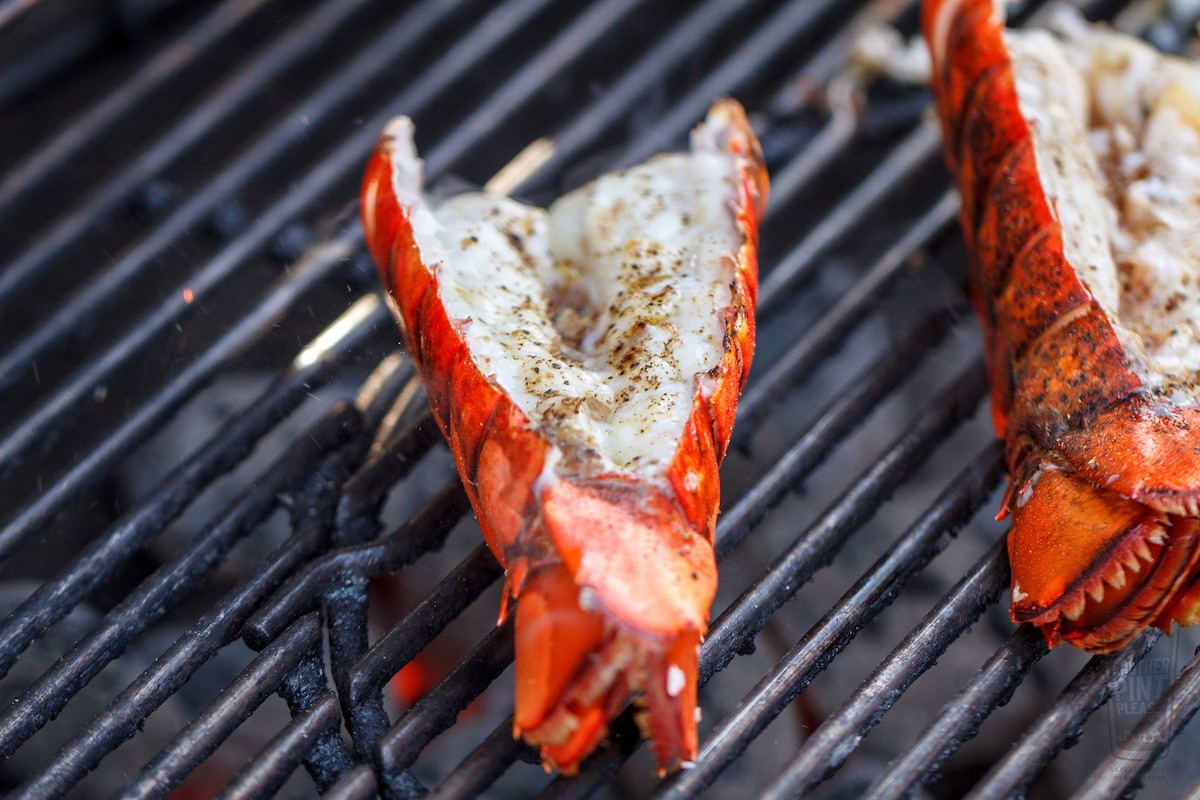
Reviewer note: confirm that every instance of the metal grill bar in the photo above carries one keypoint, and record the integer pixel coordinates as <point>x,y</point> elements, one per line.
<point>58,153</point>
<point>46,697</point>
<point>917,150</point>
<point>960,719</point>
<point>267,769</point>
<point>767,44</point>
<point>484,765</point>
<point>828,748</point>
<point>492,32</point>
<point>865,600</point>
<point>835,324</point>
<point>65,325</point>
<point>734,630</point>
<point>300,642</point>
<point>694,31</point>
<point>288,392</point>
<point>1089,689</point>
<point>830,427</point>
<point>437,710</point>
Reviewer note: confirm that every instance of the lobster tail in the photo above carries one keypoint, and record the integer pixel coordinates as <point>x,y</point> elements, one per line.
<point>1101,426</point>
<point>584,364</point>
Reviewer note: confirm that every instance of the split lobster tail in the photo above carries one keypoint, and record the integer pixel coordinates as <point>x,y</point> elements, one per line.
<point>1066,148</point>
<point>584,364</point>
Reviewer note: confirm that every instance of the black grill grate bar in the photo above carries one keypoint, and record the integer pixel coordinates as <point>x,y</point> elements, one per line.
<point>1148,739</point>
<point>419,627</point>
<point>98,296</point>
<point>927,537</point>
<point>357,784</point>
<point>288,52</point>
<point>831,744</point>
<point>959,720</point>
<point>439,708</point>
<point>484,765</point>
<point>47,695</point>
<point>791,22</point>
<point>831,426</point>
<point>269,768</point>
<point>834,325</point>
<point>1061,722</point>
<point>236,702</point>
<point>56,597</point>
<point>290,389</point>
<point>345,161</point>
<point>314,507</point>
<point>60,151</point>
<point>395,456</point>
<point>748,62</point>
<point>917,150</point>
<point>734,630</point>
<point>831,142</point>
<point>581,34</point>
<point>690,34</point>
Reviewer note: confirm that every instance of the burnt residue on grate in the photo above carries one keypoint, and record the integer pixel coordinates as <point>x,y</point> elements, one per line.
<point>236,559</point>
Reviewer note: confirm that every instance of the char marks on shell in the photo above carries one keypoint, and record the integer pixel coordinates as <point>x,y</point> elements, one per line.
<point>1116,126</point>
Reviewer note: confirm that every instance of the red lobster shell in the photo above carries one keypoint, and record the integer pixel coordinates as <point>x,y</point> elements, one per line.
<point>1054,144</point>
<point>608,555</point>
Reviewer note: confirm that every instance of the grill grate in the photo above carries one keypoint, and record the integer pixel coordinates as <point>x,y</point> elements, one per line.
<point>192,225</point>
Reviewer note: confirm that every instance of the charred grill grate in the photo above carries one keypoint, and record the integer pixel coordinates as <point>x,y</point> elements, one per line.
<point>183,225</point>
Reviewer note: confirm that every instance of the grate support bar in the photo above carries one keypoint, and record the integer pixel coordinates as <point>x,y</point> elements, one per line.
<point>267,769</point>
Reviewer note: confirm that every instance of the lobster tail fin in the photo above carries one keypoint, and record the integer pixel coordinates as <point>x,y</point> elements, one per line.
<point>621,615</point>
<point>1092,567</point>
<point>575,670</point>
